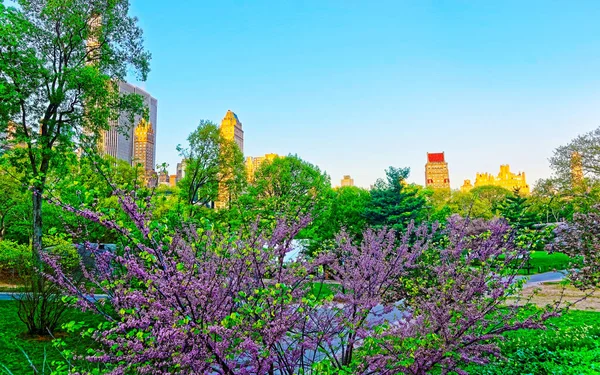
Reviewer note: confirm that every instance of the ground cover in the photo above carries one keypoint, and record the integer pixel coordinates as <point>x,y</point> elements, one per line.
<point>569,345</point>
<point>14,342</point>
<point>542,261</point>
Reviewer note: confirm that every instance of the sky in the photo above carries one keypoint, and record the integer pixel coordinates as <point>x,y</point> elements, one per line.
<point>357,86</point>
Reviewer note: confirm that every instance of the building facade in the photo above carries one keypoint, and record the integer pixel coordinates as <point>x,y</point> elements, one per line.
<point>505,179</point>
<point>347,181</point>
<point>143,152</point>
<point>466,186</point>
<point>576,169</point>
<point>119,140</point>
<point>253,163</point>
<point>180,171</point>
<point>231,130</point>
<point>164,178</point>
<point>437,175</point>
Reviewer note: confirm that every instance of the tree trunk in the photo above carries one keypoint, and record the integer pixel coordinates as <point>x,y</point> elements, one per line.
<point>37,228</point>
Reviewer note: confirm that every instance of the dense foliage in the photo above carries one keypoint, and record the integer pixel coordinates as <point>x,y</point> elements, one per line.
<point>199,301</point>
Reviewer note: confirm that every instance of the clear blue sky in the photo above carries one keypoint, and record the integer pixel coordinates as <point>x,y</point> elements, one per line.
<point>357,86</point>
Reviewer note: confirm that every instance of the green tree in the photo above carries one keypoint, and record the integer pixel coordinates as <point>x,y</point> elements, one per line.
<point>437,204</point>
<point>284,187</point>
<point>344,208</point>
<point>587,148</point>
<point>60,63</point>
<point>11,199</point>
<point>393,203</point>
<point>517,211</point>
<point>211,163</point>
<point>480,202</point>
<point>59,67</point>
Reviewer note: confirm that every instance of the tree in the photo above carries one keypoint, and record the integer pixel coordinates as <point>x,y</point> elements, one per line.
<point>580,239</point>
<point>11,198</point>
<point>551,204</point>
<point>583,150</point>
<point>479,202</point>
<point>344,209</point>
<point>517,211</point>
<point>393,203</point>
<point>211,163</point>
<point>284,187</point>
<point>437,204</point>
<point>60,62</point>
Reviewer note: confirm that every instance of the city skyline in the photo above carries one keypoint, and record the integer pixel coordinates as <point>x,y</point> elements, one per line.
<point>488,83</point>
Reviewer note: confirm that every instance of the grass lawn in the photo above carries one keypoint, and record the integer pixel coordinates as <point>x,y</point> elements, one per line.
<point>569,345</point>
<point>13,341</point>
<point>541,262</point>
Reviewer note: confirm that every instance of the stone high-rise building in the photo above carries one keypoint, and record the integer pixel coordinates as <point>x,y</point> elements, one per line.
<point>119,140</point>
<point>505,179</point>
<point>576,169</point>
<point>347,181</point>
<point>180,171</point>
<point>436,171</point>
<point>143,144</point>
<point>231,130</point>
<point>253,163</point>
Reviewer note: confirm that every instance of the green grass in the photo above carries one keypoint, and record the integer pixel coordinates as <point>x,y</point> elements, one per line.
<point>541,261</point>
<point>14,341</point>
<point>570,345</point>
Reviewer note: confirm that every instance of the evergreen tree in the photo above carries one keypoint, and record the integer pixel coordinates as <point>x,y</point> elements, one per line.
<point>394,204</point>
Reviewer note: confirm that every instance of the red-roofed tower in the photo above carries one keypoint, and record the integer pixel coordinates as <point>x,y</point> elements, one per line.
<point>436,171</point>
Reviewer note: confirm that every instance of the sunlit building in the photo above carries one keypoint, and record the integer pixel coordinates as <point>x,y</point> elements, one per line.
<point>467,185</point>
<point>505,179</point>
<point>253,163</point>
<point>231,130</point>
<point>119,140</point>
<point>437,175</point>
<point>576,168</point>
<point>347,181</point>
<point>143,152</point>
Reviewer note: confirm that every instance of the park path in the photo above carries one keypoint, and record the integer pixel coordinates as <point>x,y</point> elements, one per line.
<point>533,280</point>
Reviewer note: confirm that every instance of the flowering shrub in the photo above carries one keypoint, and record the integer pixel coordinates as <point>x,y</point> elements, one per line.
<point>580,239</point>
<point>191,301</point>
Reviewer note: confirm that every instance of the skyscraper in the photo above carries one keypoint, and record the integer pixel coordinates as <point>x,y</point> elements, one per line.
<point>576,169</point>
<point>180,171</point>
<point>231,129</point>
<point>437,175</point>
<point>144,149</point>
<point>118,141</point>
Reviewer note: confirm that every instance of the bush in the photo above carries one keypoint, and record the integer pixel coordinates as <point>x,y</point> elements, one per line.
<point>14,259</point>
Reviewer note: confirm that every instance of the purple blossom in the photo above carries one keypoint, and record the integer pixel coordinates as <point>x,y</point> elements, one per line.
<point>199,302</point>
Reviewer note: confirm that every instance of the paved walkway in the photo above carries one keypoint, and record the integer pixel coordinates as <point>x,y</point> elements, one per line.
<point>533,280</point>
<point>544,277</point>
